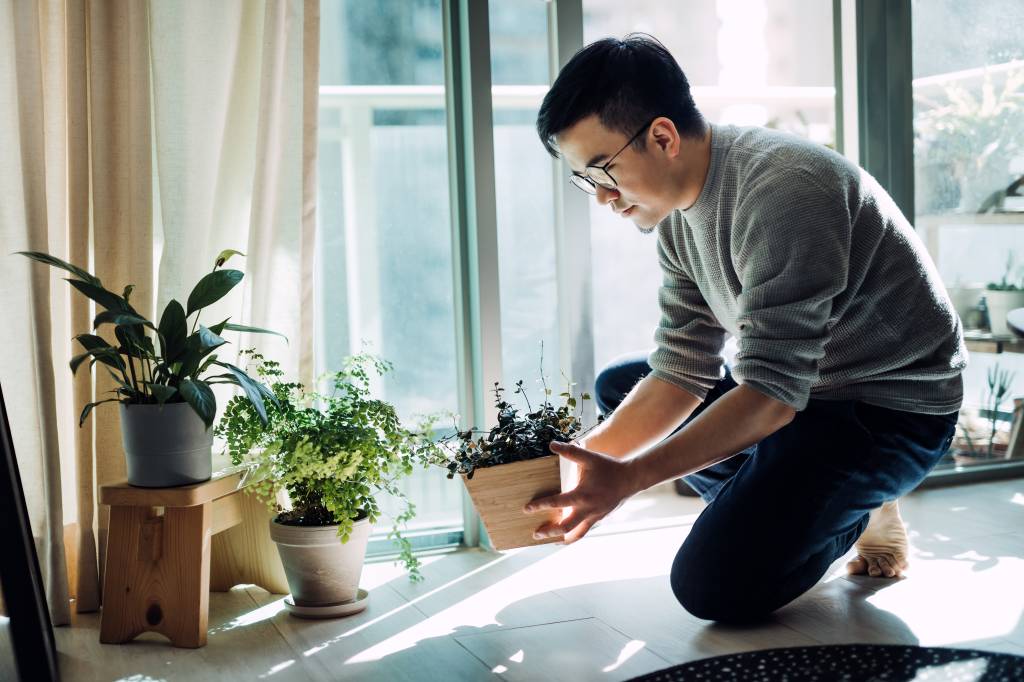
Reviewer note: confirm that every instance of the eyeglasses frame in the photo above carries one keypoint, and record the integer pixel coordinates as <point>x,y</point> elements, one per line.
<point>593,184</point>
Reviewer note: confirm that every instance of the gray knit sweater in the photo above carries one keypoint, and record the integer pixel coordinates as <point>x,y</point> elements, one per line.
<point>805,259</point>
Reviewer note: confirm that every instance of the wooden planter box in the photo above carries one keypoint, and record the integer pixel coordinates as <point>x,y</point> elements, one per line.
<point>500,492</point>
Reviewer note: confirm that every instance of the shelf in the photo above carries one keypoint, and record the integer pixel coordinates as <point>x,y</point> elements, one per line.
<point>986,343</point>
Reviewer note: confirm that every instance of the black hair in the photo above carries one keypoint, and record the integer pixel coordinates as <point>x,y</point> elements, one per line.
<point>627,83</point>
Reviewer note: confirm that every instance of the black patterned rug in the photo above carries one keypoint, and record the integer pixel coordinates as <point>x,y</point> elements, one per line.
<point>849,663</point>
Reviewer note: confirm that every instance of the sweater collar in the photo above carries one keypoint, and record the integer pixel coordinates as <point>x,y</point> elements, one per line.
<point>707,201</point>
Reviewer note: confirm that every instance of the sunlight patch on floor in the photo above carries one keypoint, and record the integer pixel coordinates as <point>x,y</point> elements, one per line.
<point>987,587</point>
<point>252,617</point>
<point>592,560</point>
<point>628,651</point>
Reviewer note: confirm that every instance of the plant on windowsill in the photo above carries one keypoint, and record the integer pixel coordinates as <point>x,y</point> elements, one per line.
<point>331,453</point>
<point>162,373</point>
<point>511,464</point>
<point>966,452</point>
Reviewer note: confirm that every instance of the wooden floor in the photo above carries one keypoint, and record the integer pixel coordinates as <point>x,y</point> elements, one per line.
<point>599,609</point>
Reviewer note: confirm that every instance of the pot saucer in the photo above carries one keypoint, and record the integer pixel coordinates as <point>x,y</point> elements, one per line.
<point>345,608</point>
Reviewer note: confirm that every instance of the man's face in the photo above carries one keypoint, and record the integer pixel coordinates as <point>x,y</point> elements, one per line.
<point>641,193</point>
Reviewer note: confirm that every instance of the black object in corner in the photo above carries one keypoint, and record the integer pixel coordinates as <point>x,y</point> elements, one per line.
<point>31,630</point>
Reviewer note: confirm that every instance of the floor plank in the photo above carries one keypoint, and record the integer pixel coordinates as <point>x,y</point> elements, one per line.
<point>544,652</point>
<point>385,641</point>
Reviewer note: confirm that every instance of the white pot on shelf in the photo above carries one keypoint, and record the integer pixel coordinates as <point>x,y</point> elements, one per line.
<point>999,304</point>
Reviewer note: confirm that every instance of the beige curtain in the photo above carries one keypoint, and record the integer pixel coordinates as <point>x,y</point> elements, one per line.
<point>142,138</point>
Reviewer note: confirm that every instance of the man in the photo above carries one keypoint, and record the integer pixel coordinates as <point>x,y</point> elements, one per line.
<point>847,381</point>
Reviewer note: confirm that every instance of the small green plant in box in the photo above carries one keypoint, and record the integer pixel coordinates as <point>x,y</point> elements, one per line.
<point>507,466</point>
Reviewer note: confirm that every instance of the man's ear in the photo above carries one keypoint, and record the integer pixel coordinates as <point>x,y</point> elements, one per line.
<point>663,132</point>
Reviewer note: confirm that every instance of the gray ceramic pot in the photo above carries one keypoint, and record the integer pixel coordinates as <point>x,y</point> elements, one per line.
<point>321,571</point>
<point>165,445</point>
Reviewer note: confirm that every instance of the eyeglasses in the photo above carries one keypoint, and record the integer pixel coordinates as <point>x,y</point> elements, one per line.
<point>593,176</point>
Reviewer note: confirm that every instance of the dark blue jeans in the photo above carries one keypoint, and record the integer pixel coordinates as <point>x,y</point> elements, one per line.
<point>780,512</point>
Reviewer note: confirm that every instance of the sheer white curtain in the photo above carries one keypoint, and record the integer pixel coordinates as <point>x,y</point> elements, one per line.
<point>142,138</point>
<point>234,98</point>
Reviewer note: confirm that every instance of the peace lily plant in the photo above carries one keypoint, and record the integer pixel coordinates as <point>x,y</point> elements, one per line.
<point>163,372</point>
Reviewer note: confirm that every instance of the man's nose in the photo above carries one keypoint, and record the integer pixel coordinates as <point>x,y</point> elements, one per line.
<point>605,195</point>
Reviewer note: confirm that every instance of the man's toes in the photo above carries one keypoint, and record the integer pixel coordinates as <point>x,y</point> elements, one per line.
<point>887,568</point>
<point>857,566</point>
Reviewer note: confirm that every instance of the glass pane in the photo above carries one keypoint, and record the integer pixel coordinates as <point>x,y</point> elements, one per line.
<point>384,257</point>
<point>523,176</point>
<point>763,62</point>
<point>969,164</point>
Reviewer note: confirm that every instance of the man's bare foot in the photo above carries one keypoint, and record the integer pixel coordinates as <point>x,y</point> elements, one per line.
<point>882,548</point>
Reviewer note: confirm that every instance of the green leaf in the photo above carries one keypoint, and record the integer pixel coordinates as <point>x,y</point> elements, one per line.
<point>46,258</point>
<point>201,398</point>
<point>123,387</point>
<point>120,318</point>
<point>146,344</point>
<point>252,391</point>
<point>206,364</point>
<point>173,330</point>
<point>219,327</point>
<point>224,255</point>
<point>161,392</point>
<point>88,408</point>
<point>77,361</point>
<point>188,362</point>
<point>209,340</point>
<point>212,288</point>
<point>101,350</point>
<point>107,299</point>
<point>91,341</point>
<point>107,356</point>
<point>252,330</point>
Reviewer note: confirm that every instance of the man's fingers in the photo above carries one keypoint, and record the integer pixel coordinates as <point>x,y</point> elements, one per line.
<point>548,530</point>
<point>578,532</point>
<point>573,453</point>
<point>551,502</point>
<point>560,528</point>
<point>569,522</point>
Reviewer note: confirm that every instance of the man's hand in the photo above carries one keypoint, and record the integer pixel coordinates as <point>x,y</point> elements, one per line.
<point>604,484</point>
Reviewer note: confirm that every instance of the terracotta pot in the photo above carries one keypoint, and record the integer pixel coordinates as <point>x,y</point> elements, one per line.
<point>321,571</point>
<point>499,493</point>
<point>165,445</point>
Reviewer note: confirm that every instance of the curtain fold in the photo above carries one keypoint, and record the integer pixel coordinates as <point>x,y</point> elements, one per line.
<point>145,137</point>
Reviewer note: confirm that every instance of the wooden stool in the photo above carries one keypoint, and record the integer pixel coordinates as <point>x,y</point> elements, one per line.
<point>158,562</point>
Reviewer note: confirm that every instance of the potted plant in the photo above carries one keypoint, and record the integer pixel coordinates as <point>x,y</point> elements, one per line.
<point>1001,297</point>
<point>512,464</point>
<point>331,454</point>
<point>163,374</point>
<point>985,427</point>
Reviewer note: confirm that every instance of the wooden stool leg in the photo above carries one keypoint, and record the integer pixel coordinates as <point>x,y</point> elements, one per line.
<point>245,553</point>
<point>117,619</point>
<point>157,575</point>
<point>186,573</point>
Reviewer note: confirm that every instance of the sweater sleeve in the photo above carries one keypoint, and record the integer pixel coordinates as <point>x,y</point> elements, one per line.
<point>689,338</point>
<point>791,252</point>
